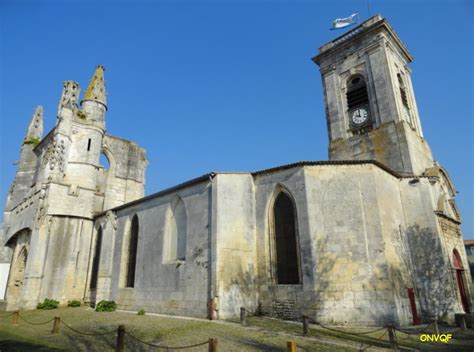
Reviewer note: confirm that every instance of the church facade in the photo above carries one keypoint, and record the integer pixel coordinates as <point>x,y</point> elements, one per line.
<point>371,236</point>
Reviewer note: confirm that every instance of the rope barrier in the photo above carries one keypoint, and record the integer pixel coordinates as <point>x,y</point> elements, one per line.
<point>407,337</point>
<point>373,344</point>
<point>7,316</point>
<point>349,333</point>
<point>31,323</point>
<point>448,331</point>
<point>87,333</point>
<point>166,347</point>
<point>415,332</point>
<point>463,338</point>
<point>303,348</point>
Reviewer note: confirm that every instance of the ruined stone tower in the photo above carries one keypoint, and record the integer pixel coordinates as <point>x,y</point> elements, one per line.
<point>371,109</point>
<point>59,187</point>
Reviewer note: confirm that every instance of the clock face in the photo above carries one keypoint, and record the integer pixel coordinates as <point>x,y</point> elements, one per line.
<point>359,116</point>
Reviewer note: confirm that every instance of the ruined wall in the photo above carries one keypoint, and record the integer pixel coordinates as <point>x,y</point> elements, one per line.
<point>20,245</point>
<point>124,181</point>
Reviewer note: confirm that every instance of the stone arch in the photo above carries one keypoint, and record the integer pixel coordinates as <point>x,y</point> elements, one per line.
<point>20,243</point>
<point>107,153</point>
<point>284,238</point>
<point>174,242</point>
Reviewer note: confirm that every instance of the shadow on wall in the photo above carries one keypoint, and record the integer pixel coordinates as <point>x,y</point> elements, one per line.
<point>239,291</point>
<point>432,273</point>
<point>319,307</point>
<point>290,302</point>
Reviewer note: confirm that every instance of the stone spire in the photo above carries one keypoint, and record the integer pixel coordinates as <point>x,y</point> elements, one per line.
<point>35,128</point>
<point>96,89</point>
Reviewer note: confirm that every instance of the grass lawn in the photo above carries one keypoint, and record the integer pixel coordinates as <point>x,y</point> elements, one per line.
<point>261,334</point>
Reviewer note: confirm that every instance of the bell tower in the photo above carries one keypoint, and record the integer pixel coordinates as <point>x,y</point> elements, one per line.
<point>371,109</point>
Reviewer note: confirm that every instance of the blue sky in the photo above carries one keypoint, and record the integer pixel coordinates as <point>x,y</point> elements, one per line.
<point>226,85</point>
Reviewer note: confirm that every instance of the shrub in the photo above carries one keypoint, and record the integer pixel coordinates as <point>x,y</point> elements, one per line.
<point>48,304</point>
<point>105,306</point>
<point>74,303</point>
<point>141,312</point>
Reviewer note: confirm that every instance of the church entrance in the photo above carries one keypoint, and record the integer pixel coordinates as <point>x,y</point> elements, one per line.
<point>460,280</point>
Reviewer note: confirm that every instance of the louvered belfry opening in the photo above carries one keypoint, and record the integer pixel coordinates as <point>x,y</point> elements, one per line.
<point>132,253</point>
<point>357,93</point>
<point>286,242</point>
<point>96,261</point>
<point>403,92</point>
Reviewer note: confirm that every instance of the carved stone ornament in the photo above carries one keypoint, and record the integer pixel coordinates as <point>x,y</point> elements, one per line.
<point>55,155</point>
<point>111,219</point>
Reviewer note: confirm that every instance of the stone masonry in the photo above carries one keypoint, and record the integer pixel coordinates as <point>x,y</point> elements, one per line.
<point>359,239</point>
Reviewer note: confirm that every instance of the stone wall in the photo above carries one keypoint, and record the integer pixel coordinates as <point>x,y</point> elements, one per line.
<point>236,252</point>
<point>179,287</point>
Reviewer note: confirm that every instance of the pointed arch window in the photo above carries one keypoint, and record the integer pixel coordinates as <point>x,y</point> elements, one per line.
<point>175,238</point>
<point>132,253</point>
<point>96,260</point>
<point>286,240</point>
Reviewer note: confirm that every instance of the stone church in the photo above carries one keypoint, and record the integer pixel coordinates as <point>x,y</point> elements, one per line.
<point>370,236</point>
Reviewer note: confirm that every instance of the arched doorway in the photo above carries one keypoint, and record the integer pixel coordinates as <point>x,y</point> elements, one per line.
<point>457,264</point>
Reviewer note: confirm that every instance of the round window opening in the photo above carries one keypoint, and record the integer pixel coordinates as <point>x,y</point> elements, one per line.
<point>355,80</point>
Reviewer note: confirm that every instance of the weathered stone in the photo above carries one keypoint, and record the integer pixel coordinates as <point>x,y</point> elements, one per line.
<point>355,234</point>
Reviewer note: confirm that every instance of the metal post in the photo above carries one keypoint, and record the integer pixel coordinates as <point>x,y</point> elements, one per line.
<point>16,314</point>
<point>305,325</point>
<point>211,308</point>
<point>291,346</point>
<point>392,337</point>
<point>243,316</point>
<point>213,345</point>
<point>120,339</point>
<point>434,321</point>
<point>57,321</point>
